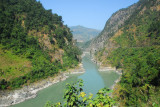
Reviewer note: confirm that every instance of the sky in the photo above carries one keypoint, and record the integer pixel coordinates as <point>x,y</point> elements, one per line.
<point>87,13</point>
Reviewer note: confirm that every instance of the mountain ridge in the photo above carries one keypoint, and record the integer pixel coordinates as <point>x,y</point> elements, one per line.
<point>83,34</point>
<point>117,19</point>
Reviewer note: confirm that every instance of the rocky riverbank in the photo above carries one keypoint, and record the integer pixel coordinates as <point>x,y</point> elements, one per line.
<point>102,69</point>
<point>8,98</point>
<point>115,82</point>
<point>106,69</point>
<point>118,71</point>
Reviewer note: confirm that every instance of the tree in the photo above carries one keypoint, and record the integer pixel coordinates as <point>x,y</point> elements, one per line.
<point>75,97</point>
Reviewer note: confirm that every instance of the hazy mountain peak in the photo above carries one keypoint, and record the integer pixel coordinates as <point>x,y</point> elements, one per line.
<point>83,34</point>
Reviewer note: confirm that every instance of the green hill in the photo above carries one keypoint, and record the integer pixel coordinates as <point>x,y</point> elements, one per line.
<point>34,43</point>
<point>83,34</point>
<point>131,41</point>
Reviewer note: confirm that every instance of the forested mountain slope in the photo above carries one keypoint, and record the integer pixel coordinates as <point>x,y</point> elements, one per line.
<point>134,47</point>
<point>34,43</point>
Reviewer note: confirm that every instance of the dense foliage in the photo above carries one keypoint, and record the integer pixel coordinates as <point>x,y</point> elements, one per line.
<point>135,49</point>
<point>140,82</point>
<point>31,33</point>
<point>75,97</point>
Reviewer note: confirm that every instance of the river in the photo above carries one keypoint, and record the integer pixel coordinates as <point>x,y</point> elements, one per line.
<point>93,81</point>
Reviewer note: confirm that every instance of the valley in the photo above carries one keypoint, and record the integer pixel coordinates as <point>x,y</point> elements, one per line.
<point>41,58</point>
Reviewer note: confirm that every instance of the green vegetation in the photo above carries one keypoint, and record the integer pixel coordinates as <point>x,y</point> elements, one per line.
<point>12,65</point>
<point>75,97</point>
<point>34,43</point>
<point>136,50</point>
<point>140,83</point>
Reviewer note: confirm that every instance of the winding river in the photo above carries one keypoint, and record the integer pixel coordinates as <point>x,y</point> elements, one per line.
<point>93,81</point>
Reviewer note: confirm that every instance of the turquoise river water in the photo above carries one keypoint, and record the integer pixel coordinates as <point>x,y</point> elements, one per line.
<point>93,81</point>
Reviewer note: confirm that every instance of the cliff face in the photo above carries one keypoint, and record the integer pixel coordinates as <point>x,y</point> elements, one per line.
<point>131,17</point>
<point>112,25</point>
<point>135,26</point>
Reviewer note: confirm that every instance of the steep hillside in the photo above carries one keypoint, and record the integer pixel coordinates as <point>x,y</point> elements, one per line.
<point>134,47</point>
<point>83,34</point>
<point>112,25</point>
<point>140,30</point>
<point>34,43</point>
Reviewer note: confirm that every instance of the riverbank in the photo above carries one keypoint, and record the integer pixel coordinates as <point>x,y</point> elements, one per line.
<point>107,69</point>
<point>8,98</point>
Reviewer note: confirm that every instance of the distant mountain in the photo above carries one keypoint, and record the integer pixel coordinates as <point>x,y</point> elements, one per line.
<point>83,34</point>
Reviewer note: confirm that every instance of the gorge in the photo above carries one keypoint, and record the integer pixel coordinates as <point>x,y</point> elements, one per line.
<point>39,56</point>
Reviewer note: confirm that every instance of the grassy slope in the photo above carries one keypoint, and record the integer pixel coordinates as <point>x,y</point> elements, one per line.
<point>12,66</point>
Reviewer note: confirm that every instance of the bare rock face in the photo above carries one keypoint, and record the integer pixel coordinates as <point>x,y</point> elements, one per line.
<point>112,25</point>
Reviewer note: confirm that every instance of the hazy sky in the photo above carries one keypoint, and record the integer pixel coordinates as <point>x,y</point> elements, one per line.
<point>88,13</point>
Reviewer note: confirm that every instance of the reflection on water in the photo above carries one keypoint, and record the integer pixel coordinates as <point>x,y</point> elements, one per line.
<point>93,81</point>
